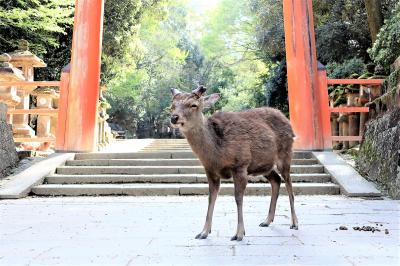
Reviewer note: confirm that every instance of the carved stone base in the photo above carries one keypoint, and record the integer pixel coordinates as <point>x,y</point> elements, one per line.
<point>23,131</point>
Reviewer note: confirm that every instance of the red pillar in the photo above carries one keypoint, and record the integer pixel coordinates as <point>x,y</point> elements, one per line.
<point>324,115</point>
<point>302,73</point>
<point>77,128</point>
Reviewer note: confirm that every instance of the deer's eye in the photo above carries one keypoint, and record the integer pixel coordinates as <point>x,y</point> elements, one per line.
<point>193,106</point>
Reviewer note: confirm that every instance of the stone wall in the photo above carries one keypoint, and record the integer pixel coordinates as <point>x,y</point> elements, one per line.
<point>8,154</point>
<point>379,156</point>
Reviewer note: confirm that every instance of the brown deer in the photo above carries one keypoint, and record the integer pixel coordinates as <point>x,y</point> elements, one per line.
<point>236,144</point>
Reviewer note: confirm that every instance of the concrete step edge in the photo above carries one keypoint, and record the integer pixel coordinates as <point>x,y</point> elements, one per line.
<point>158,154</point>
<point>175,189</point>
<point>158,162</point>
<point>183,178</point>
<point>135,170</point>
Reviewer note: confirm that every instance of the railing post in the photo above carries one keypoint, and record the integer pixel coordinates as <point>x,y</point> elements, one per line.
<point>323,125</point>
<point>62,110</point>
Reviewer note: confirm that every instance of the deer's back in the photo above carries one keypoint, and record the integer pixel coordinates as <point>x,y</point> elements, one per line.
<point>260,136</point>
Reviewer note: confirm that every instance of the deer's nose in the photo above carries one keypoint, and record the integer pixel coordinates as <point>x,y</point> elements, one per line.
<point>174,119</point>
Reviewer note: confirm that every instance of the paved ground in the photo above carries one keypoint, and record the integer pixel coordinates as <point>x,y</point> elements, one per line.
<point>127,145</point>
<point>161,230</point>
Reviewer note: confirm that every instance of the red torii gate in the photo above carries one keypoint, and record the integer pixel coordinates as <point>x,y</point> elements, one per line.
<point>307,85</point>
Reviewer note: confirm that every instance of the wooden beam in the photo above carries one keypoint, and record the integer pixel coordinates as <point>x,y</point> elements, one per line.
<point>50,112</point>
<point>346,138</point>
<point>355,81</point>
<point>30,83</point>
<point>350,109</point>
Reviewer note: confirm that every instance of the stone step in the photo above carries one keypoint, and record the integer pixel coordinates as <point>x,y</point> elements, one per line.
<point>174,189</point>
<point>158,162</point>
<point>161,155</point>
<point>165,149</point>
<point>167,146</point>
<point>171,178</point>
<point>143,170</point>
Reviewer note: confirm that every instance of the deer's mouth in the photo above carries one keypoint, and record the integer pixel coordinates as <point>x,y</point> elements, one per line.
<point>178,125</point>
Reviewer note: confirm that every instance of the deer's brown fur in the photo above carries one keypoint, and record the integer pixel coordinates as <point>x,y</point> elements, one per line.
<point>236,144</point>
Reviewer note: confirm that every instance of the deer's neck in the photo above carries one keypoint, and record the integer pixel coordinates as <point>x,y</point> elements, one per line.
<point>202,142</point>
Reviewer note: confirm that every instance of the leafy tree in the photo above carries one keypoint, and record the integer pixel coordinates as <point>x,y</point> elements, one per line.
<point>45,24</point>
<point>345,69</point>
<point>121,44</point>
<point>387,46</point>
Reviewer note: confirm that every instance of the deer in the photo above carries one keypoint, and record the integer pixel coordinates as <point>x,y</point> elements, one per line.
<point>236,145</point>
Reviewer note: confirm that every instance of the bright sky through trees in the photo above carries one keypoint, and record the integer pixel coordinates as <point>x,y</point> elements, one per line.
<point>201,6</point>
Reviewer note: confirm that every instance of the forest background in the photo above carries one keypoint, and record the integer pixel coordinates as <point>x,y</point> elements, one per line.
<point>235,48</point>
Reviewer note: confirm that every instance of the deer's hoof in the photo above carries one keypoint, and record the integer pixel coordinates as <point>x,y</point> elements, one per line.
<point>236,238</point>
<point>201,236</point>
<point>264,224</point>
<point>294,226</point>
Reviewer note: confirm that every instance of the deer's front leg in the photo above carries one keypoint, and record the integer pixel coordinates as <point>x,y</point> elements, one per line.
<point>240,182</point>
<point>213,185</point>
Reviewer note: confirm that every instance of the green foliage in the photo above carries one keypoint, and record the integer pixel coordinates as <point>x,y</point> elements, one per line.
<point>232,65</point>
<point>269,30</point>
<point>121,43</point>
<point>387,46</point>
<point>345,69</point>
<point>236,49</point>
<point>139,87</point>
<point>45,24</point>
<point>276,88</point>
<point>341,30</point>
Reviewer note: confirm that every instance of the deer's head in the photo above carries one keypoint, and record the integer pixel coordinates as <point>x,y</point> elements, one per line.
<point>186,108</point>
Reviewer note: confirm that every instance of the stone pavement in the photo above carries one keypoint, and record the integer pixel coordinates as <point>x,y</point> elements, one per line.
<point>161,230</point>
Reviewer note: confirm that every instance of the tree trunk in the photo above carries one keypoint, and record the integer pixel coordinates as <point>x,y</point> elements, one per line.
<point>375,17</point>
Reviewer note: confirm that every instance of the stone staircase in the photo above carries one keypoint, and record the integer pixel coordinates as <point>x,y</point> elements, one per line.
<point>167,167</point>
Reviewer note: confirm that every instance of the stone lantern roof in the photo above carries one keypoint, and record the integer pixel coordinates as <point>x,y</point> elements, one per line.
<point>46,91</point>
<point>7,71</point>
<point>23,57</point>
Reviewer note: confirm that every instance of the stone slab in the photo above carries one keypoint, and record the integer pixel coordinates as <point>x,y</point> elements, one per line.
<point>351,183</point>
<point>159,155</point>
<point>158,162</point>
<point>168,178</point>
<point>19,185</point>
<point>160,231</point>
<point>174,189</point>
<point>138,170</point>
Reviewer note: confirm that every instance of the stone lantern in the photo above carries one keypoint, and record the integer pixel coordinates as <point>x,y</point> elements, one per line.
<point>44,99</point>
<point>8,94</point>
<point>26,61</point>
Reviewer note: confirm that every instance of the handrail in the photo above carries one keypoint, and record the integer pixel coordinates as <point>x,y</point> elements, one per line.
<point>31,83</point>
<point>35,139</point>
<point>346,138</point>
<point>350,109</point>
<point>50,112</point>
<point>355,81</point>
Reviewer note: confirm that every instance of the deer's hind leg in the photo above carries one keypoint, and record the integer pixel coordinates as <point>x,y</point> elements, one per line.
<point>240,182</point>
<point>275,181</point>
<point>285,172</point>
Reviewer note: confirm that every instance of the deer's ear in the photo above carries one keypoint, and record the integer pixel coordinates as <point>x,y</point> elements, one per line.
<point>174,92</point>
<point>211,99</point>
<point>199,91</point>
